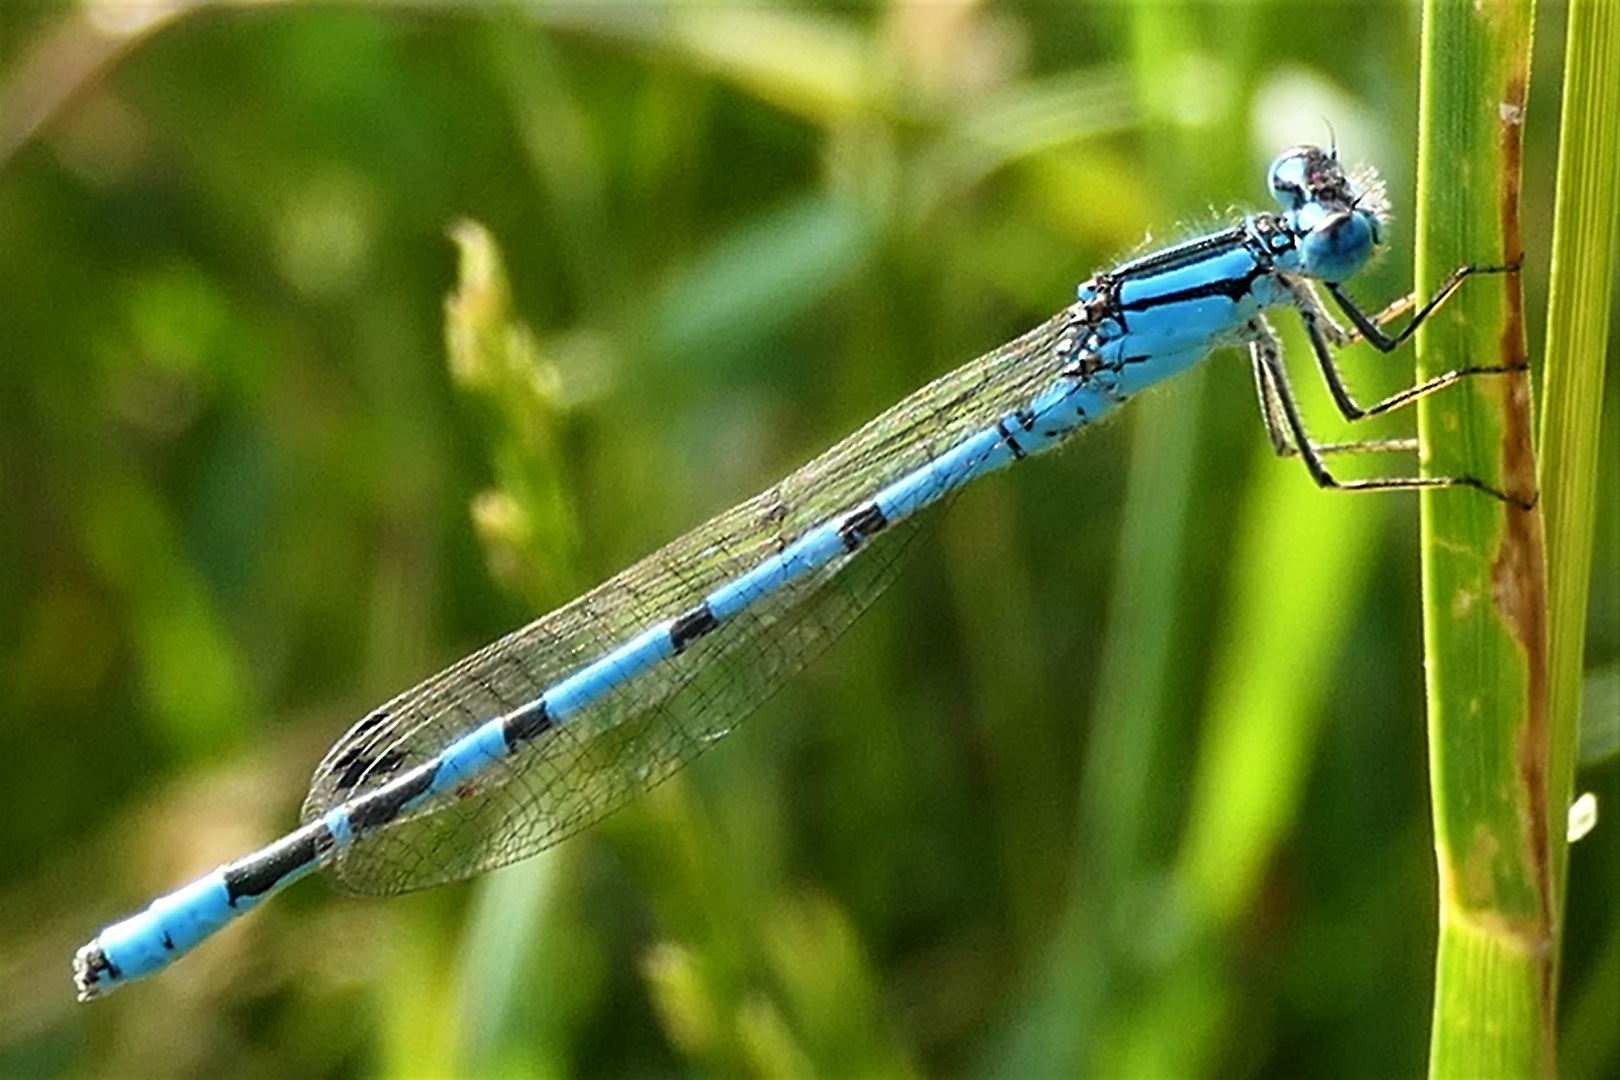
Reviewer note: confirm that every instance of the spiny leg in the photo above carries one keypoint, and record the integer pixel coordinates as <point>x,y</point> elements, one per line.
<point>1277,402</point>
<point>1271,411</point>
<point>1325,333</point>
<point>1369,327</point>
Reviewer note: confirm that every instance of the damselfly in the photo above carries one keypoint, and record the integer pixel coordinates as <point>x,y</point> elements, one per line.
<point>548,729</point>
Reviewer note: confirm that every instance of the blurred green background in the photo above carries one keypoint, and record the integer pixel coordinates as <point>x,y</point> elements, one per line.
<point>1126,775</point>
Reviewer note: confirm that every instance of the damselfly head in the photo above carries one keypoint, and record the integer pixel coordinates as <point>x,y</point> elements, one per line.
<point>1337,220</point>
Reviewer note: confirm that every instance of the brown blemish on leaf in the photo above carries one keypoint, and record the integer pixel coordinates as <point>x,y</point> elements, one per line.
<point>1469,888</point>
<point>1518,574</point>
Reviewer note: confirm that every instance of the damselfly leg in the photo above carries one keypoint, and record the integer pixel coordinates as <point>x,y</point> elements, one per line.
<point>1280,410</point>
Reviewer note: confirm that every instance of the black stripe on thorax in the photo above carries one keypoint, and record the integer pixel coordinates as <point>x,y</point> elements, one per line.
<point>1182,255</point>
<point>1234,289</point>
<point>1261,236</point>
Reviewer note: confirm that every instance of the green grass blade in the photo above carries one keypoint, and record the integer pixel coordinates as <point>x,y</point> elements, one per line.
<point>1483,583</point>
<point>1585,254</point>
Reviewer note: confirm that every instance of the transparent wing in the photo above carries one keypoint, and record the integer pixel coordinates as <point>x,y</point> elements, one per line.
<point>580,771</point>
<point>577,772</point>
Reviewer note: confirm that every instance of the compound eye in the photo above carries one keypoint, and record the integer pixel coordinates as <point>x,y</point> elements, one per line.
<point>1290,178</point>
<point>1338,245</point>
